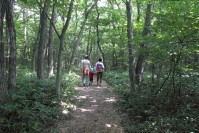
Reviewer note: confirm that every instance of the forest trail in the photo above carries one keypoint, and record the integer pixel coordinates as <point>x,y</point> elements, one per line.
<point>97,113</point>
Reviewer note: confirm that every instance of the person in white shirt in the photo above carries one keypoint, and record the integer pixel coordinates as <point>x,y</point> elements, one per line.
<point>99,67</point>
<point>85,66</point>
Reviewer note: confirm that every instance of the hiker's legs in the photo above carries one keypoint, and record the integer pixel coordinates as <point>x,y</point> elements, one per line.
<point>87,79</point>
<point>100,78</point>
<point>91,81</point>
<point>83,76</point>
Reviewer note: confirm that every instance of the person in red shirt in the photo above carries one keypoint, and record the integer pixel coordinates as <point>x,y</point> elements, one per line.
<point>91,73</point>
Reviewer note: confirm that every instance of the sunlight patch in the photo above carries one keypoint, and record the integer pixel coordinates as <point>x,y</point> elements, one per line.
<point>65,112</point>
<point>81,97</point>
<point>94,101</point>
<point>110,125</point>
<point>112,99</point>
<point>85,110</point>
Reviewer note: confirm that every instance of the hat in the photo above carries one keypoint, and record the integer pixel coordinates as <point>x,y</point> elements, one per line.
<point>91,69</point>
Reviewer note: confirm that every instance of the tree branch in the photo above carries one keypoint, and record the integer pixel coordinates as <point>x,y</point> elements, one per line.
<point>49,19</point>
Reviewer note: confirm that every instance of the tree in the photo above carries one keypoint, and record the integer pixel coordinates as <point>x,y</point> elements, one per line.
<point>98,38</point>
<point>3,90</point>
<point>140,65</point>
<point>42,40</point>
<point>51,41</point>
<point>131,48</point>
<point>62,37</point>
<point>12,43</point>
<point>87,12</point>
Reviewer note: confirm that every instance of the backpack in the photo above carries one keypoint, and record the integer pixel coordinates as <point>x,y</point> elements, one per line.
<point>86,72</point>
<point>99,67</point>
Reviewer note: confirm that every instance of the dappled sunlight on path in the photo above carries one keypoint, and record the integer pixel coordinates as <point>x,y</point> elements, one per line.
<point>95,113</point>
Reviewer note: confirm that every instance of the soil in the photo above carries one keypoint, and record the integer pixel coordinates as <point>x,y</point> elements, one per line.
<point>96,112</point>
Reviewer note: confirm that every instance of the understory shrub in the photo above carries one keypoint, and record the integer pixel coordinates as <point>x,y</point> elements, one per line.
<point>164,112</point>
<point>34,106</point>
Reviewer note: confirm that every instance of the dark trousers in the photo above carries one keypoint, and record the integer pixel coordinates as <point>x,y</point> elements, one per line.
<point>99,77</point>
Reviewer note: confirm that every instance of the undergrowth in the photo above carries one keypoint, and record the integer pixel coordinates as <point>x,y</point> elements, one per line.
<point>163,112</point>
<point>34,106</point>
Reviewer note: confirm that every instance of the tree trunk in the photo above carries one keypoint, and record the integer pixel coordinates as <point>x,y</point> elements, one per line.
<point>138,10</point>
<point>3,90</point>
<point>7,53</point>
<point>130,44</point>
<point>51,41</point>
<point>34,53</point>
<point>142,57</point>
<point>98,39</point>
<point>42,41</point>
<point>25,38</point>
<point>12,43</point>
<point>61,37</point>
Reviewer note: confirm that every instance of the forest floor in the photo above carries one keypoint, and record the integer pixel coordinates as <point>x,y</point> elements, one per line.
<point>96,113</point>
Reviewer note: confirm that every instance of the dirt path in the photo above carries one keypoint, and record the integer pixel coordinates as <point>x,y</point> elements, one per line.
<point>97,112</point>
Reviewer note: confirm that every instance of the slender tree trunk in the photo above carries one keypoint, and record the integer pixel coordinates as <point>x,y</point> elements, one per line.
<point>130,45</point>
<point>159,74</point>
<point>114,55</point>
<point>3,90</point>
<point>98,39</point>
<point>138,10</point>
<point>62,37</point>
<point>51,41</point>
<point>7,50</point>
<point>89,45</point>
<point>79,37</point>
<point>114,58</point>
<point>25,38</point>
<point>12,43</point>
<point>153,73</point>
<point>42,41</point>
<point>34,53</point>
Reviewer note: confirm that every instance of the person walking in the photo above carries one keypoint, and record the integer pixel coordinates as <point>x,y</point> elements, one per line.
<point>91,74</point>
<point>85,66</point>
<point>99,67</point>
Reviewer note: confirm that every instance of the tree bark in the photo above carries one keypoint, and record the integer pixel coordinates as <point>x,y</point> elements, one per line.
<point>12,43</point>
<point>3,90</point>
<point>142,57</point>
<point>51,41</point>
<point>138,10</point>
<point>25,38</point>
<point>42,41</point>
<point>130,45</point>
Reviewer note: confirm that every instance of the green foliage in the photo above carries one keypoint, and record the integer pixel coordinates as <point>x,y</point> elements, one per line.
<point>164,112</point>
<point>68,83</point>
<point>34,106</point>
<point>119,81</point>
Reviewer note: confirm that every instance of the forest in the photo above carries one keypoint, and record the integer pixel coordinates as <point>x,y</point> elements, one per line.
<point>150,50</point>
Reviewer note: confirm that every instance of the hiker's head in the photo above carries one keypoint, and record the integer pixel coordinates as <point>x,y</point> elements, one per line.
<point>86,56</point>
<point>100,59</point>
<point>91,69</point>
